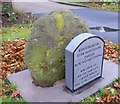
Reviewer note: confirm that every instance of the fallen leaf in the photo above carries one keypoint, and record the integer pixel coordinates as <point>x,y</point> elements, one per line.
<point>15,93</point>
<point>116,84</point>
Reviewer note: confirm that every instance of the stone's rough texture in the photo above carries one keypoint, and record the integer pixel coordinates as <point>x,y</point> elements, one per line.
<point>44,52</point>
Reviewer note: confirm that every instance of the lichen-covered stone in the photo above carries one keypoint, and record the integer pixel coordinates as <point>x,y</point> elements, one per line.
<point>44,52</point>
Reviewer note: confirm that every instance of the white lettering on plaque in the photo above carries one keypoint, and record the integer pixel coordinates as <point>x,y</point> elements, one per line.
<point>86,53</point>
<point>87,61</point>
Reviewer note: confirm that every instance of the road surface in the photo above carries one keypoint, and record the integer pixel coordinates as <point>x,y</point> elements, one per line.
<point>40,6</point>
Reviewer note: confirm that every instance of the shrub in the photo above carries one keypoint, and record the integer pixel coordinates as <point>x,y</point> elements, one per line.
<point>7,11</point>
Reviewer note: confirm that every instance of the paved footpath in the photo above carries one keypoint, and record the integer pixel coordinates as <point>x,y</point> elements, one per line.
<point>92,17</point>
<point>40,6</point>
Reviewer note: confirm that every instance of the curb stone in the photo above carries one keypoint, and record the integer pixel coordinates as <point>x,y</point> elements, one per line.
<point>68,3</point>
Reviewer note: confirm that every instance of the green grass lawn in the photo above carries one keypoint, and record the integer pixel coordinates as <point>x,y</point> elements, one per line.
<point>16,31</point>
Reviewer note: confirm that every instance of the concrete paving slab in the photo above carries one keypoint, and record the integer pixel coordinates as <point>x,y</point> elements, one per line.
<point>31,93</point>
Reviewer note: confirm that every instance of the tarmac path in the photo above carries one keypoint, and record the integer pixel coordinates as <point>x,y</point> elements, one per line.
<point>93,18</point>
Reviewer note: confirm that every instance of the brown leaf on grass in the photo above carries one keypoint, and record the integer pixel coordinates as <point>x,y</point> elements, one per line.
<point>106,92</point>
<point>116,98</point>
<point>115,54</point>
<point>107,99</point>
<point>111,51</point>
<point>15,93</point>
<point>12,56</point>
<point>98,99</point>
<point>21,27</point>
<point>116,84</point>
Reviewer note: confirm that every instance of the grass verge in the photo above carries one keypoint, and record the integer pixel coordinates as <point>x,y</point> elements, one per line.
<point>15,32</point>
<point>108,6</point>
<point>110,93</point>
<point>13,40</point>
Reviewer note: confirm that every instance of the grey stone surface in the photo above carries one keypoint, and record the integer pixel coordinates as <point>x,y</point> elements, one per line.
<point>44,51</point>
<point>31,93</point>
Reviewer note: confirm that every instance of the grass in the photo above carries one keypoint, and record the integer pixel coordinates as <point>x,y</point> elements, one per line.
<point>105,5</point>
<point>10,34</point>
<point>107,91</point>
<point>7,93</point>
<point>75,1</point>
<point>11,101</point>
<point>16,31</point>
<point>85,0</point>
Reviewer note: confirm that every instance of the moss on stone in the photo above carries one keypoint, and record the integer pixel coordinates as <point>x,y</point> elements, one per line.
<point>59,20</point>
<point>44,52</point>
<point>48,53</point>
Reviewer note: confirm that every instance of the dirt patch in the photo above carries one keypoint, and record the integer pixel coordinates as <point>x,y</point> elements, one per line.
<point>20,19</point>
